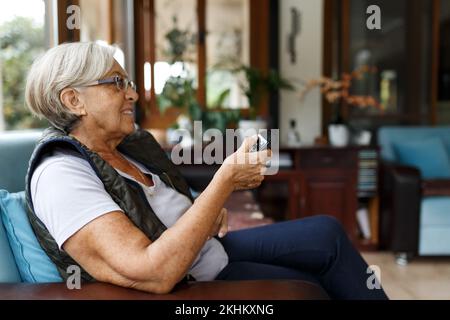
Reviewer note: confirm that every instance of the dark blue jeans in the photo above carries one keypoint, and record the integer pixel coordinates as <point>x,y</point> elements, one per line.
<point>314,249</point>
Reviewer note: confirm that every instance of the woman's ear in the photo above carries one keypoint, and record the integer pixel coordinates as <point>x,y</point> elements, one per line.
<point>71,99</point>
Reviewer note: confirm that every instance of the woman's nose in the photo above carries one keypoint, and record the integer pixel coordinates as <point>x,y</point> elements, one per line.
<point>131,95</point>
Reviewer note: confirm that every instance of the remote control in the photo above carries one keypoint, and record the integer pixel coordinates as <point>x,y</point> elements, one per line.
<point>260,145</point>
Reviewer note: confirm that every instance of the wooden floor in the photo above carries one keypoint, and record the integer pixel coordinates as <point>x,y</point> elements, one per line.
<point>421,279</point>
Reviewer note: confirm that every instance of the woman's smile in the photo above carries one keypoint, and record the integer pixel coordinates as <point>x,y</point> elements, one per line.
<point>128,113</point>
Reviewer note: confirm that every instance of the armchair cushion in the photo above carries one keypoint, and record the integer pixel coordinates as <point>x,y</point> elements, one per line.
<point>434,235</point>
<point>32,262</point>
<point>428,155</point>
<point>8,268</point>
<point>435,211</point>
<point>15,150</point>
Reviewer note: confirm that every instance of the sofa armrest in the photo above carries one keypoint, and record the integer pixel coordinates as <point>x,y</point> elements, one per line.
<point>210,290</point>
<point>400,207</point>
<point>435,188</point>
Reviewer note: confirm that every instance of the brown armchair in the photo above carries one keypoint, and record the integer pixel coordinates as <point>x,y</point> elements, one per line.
<point>400,210</point>
<point>414,210</point>
<point>402,192</point>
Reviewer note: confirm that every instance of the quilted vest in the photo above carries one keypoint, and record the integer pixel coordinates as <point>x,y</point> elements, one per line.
<point>129,196</point>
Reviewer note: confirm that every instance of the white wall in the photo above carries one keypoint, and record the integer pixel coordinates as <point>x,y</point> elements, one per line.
<point>309,65</point>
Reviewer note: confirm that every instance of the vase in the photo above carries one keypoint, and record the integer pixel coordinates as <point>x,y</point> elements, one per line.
<point>338,135</point>
<point>338,130</point>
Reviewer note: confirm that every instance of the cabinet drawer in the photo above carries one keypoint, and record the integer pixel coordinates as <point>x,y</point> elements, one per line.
<point>328,159</point>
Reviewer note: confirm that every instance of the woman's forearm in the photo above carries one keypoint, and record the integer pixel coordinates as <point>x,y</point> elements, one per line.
<point>176,249</point>
<point>179,245</point>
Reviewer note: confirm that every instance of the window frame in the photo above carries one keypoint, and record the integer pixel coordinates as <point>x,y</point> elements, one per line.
<point>144,17</point>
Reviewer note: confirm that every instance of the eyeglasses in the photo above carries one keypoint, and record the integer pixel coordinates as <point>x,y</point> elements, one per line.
<point>121,83</point>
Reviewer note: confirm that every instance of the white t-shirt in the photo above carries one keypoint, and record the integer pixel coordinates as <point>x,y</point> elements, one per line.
<point>67,194</point>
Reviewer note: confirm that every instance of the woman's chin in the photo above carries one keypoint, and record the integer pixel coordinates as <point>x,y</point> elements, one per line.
<point>128,127</point>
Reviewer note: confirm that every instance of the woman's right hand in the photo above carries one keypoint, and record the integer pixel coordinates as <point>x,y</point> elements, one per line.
<point>244,169</point>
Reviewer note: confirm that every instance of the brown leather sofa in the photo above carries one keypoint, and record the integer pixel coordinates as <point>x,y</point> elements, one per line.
<point>16,149</point>
<point>213,290</point>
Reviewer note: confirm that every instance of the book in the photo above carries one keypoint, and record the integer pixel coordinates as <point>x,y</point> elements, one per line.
<point>362,216</point>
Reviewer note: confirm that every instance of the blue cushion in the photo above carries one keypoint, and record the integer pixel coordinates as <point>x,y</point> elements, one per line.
<point>8,269</point>
<point>434,240</point>
<point>15,149</point>
<point>435,211</point>
<point>428,155</point>
<point>33,263</point>
<point>389,136</point>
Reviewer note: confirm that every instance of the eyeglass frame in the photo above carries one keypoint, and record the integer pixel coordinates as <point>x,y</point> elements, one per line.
<point>115,80</point>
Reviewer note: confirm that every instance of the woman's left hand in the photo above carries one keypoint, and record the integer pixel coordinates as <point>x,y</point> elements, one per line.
<point>220,228</point>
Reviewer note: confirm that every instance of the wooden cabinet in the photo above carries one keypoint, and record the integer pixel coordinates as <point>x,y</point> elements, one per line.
<point>317,180</point>
<point>328,184</point>
<point>324,180</point>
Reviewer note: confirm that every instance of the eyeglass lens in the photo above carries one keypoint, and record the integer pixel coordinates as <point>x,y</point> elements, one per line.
<point>123,84</point>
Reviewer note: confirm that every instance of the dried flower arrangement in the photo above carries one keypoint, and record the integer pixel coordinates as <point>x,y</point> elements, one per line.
<point>335,90</point>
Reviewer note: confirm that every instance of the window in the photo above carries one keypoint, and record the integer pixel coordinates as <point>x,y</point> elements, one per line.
<point>203,46</point>
<point>108,22</point>
<point>228,36</point>
<point>176,53</point>
<point>23,37</point>
<point>29,27</point>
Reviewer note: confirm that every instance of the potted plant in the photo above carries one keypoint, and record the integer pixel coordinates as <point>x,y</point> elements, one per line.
<point>255,86</point>
<point>180,93</point>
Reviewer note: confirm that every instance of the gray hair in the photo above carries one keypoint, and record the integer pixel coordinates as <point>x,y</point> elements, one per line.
<point>66,65</point>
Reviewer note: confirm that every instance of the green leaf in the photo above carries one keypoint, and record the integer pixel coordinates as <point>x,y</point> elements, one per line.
<point>222,97</point>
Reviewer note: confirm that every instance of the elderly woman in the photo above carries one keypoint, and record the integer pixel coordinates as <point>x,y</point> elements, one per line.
<point>103,195</point>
